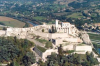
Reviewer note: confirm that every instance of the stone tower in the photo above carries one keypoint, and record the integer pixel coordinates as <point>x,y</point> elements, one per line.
<point>56,23</point>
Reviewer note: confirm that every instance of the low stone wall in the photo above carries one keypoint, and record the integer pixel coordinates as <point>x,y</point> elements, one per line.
<point>3,64</point>
<point>68,47</point>
<point>48,52</point>
<point>68,39</point>
<point>72,39</point>
<point>58,41</point>
<point>50,35</point>
<point>2,33</point>
<point>43,55</point>
<point>62,35</point>
<point>84,49</point>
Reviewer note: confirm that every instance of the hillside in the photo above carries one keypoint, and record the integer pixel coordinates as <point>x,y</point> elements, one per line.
<point>38,11</point>
<point>26,1</point>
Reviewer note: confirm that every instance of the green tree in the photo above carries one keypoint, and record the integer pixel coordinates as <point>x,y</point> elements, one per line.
<point>29,58</point>
<point>14,64</point>
<point>97,27</point>
<point>60,50</point>
<point>26,25</point>
<point>66,64</point>
<point>4,28</point>
<point>56,64</point>
<point>48,44</point>
<point>42,30</point>
<point>53,30</point>
<point>41,63</point>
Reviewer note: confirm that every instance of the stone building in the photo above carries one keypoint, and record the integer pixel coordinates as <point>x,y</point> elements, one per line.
<point>65,27</point>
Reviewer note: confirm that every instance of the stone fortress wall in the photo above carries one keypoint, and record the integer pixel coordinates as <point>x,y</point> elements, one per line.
<point>24,32</point>
<point>2,33</point>
<point>71,36</point>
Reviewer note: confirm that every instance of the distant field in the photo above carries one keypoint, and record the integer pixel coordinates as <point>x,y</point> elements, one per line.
<point>59,14</point>
<point>39,17</point>
<point>97,11</point>
<point>11,22</point>
<point>94,36</point>
<point>76,15</point>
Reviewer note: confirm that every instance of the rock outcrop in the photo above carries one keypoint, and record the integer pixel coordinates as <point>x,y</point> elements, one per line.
<point>85,37</point>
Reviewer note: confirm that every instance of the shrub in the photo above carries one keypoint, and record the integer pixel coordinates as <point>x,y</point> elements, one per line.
<point>42,30</point>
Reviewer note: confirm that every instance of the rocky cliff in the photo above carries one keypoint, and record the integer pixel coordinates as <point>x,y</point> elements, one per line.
<point>85,37</point>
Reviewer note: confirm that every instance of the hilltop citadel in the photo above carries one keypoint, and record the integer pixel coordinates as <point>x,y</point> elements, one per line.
<point>66,34</point>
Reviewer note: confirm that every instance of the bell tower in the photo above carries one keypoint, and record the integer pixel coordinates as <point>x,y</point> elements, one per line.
<point>56,23</point>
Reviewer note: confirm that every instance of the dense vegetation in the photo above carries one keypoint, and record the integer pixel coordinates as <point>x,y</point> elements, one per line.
<point>16,51</point>
<point>53,29</point>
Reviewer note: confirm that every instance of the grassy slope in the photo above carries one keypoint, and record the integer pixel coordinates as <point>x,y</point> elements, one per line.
<point>76,15</point>
<point>41,48</point>
<point>11,22</point>
<point>39,17</point>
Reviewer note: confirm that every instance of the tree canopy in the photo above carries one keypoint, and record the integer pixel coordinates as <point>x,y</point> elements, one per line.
<point>14,50</point>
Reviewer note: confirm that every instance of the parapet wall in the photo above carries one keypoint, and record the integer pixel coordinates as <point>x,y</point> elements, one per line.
<point>48,52</point>
<point>2,33</point>
<point>50,35</point>
<point>18,32</point>
<point>84,48</point>
<point>22,33</point>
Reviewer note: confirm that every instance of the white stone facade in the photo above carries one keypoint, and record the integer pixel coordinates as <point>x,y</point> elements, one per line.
<point>2,32</point>
<point>18,32</point>
<point>83,49</point>
<point>65,27</point>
